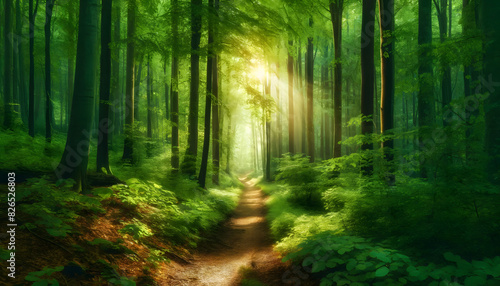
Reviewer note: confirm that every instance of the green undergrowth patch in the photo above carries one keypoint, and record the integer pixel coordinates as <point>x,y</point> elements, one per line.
<point>19,151</point>
<point>351,260</point>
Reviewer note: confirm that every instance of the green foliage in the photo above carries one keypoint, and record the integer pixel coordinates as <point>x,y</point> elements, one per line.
<point>54,206</point>
<point>137,230</point>
<point>42,277</point>
<point>35,153</point>
<point>110,247</point>
<point>350,260</point>
<point>110,274</point>
<point>302,177</point>
<point>138,192</point>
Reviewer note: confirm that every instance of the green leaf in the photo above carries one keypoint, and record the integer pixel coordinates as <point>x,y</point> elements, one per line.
<point>41,283</point>
<point>318,266</point>
<point>381,272</point>
<point>475,281</point>
<point>351,264</point>
<point>451,257</point>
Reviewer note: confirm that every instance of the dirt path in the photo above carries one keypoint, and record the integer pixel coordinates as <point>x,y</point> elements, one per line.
<point>244,241</point>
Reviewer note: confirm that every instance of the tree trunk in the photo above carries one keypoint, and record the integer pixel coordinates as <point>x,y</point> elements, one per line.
<point>215,104</point>
<point>336,9</point>
<point>75,157</point>
<point>115,74</point>
<point>167,96</point>
<point>49,6</point>
<point>137,87</point>
<point>104,88</point>
<point>291,123</point>
<point>7,87</point>
<point>489,21</point>
<point>367,75</point>
<point>174,86</point>
<point>128,148</point>
<point>22,76</point>
<point>149,99</point>
<point>310,83</point>
<point>267,128</point>
<point>426,102</point>
<point>189,163</point>
<point>208,101</point>
<point>386,10</point>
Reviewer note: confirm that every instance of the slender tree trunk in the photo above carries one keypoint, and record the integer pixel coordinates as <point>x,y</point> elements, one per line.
<point>71,58</point>
<point>49,6</point>
<point>75,157</point>
<point>303,100</point>
<point>490,21</point>
<point>189,163</point>
<point>386,10</point>
<point>215,104</point>
<point>310,83</point>
<point>15,65</point>
<point>426,101</point>
<point>128,148</point>
<point>137,87</point>
<point>174,85</point>
<point>31,96</point>
<point>104,88</point>
<point>336,9</point>
<point>115,74</point>
<point>267,128</point>
<point>167,96</point>
<point>149,99</point>
<point>22,76</point>
<point>208,101</point>
<point>291,123</point>
<point>229,146</point>
<point>367,75</point>
<point>7,87</point>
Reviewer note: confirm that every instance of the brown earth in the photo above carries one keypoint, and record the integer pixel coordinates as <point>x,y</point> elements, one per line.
<point>242,249</point>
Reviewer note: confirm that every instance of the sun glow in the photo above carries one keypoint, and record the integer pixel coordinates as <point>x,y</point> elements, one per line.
<point>258,72</point>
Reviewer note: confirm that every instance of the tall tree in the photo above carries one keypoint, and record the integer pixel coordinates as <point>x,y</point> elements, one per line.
<point>31,96</point>
<point>189,164</point>
<point>115,72</point>
<point>75,157</point>
<point>20,60</point>
<point>7,86</point>
<point>49,6</point>
<point>104,88</point>
<point>149,99</point>
<point>310,83</point>
<point>215,104</point>
<point>489,21</point>
<point>291,123</point>
<point>444,33</point>
<point>208,100</point>
<point>367,73</point>
<point>128,148</point>
<point>336,9</point>
<point>386,11</point>
<point>174,85</point>
<point>426,102</point>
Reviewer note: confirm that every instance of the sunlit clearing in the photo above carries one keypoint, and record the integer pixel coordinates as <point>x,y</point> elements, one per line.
<point>258,72</point>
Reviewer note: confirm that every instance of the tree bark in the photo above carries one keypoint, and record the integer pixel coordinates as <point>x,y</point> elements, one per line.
<point>49,6</point>
<point>208,101</point>
<point>291,123</point>
<point>215,103</point>
<point>7,87</point>
<point>174,86</point>
<point>75,157</point>
<point>386,10</point>
<point>490,21</point>
<point>367,75</point>
<point>426,101</point>
<point>189,163</point>
<point>128,148</point>
<point>336,9</point>
<point>104,88</point>
<point>310,83</point>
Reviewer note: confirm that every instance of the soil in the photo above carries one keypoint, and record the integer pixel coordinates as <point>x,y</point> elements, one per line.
<point>241,250</point>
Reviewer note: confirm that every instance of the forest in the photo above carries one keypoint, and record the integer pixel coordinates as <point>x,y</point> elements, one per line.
<point>250,142</point>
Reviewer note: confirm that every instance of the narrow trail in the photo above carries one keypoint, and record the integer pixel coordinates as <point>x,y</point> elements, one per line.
<point>244,241</point>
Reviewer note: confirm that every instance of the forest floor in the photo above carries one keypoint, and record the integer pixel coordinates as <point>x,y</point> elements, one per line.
<point>241,250</point>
